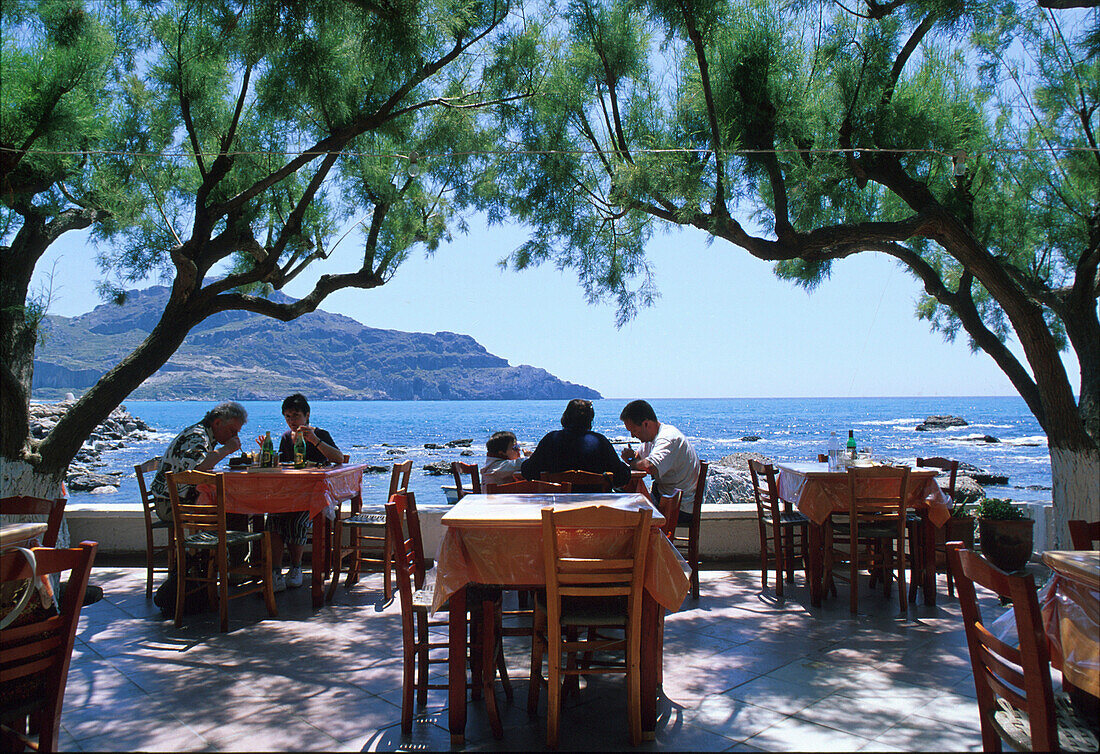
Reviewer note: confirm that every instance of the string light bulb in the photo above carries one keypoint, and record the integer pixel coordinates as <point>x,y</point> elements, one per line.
<point>959,161</point>
<point>414,165</point>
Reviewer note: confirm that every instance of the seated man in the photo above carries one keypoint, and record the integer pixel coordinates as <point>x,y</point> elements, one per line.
<point>576,447</point>
<point>666,455</point>
<point>195,448</point>
<point>294,528</point>
<point>502,459</point>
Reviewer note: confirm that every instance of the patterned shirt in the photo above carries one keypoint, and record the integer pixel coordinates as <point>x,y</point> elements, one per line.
<point>184,453</point>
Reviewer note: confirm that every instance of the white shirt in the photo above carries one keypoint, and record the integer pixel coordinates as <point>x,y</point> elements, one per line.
<point>675,464</point>
<point>500,470</point>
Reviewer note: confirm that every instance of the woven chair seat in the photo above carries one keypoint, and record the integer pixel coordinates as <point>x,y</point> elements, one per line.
<point>366,518</point>
<point>793,518</point>
<point>209,539</point>
<point>1073,731</point>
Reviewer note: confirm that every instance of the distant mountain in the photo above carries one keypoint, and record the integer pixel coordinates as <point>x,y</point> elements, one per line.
<point>251,357</point>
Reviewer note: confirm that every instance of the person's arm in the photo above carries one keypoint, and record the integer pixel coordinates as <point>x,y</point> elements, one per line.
<point>615,464</point>
<point>214,457</point>
<point>323,441</point>
<point>533,465</point>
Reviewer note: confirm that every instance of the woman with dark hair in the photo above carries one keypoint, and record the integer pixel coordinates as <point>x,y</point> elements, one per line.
<point>576,447</point>
<point>293,529</point>
<point>502,459</point>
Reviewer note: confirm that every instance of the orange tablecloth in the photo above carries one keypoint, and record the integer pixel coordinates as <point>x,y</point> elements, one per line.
<point>256,491</point>
<point>817,492</point>
<point>1070,604</point>
<point>497,539</point>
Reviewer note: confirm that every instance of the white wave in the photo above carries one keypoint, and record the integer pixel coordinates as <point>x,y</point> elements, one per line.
<point>888,422</point>
<point>990,426</point>
<point>1036,440</point>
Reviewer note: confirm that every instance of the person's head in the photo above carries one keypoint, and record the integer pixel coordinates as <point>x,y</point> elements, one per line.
<point>296,411</point>
<point>640,420</point>
<point>502,445</point>
<point>578,414</point>
<point>225,420</point>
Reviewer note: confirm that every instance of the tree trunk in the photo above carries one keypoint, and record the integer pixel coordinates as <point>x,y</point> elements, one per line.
<point>1075,477</point>
<point>21,478</point>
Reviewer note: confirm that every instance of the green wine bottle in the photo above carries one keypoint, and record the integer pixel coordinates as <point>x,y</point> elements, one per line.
<point>851,446</point>
<point>267,453</point>
<point>300,450</point>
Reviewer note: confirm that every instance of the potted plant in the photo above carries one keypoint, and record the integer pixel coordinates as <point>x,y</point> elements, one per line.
<point>1005,533</point>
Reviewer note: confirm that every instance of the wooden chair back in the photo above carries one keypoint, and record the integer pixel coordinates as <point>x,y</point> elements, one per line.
<point>460,470</point>
<point>765,491</point>
<point>877,494</point>
<point>399,477</point>
<point>37,650</point>
<point>582,481</point>
<point>945,464</point>
<point>403,526</point>
<point>689,545</point>
<point>53,510</point>
<point>191,515</point>
<point>528,487</point>
<point>152,521</point>
<point>669,506</point>
<point>1084,534</point>
<point>140,470</point>
<point>1020,676</point>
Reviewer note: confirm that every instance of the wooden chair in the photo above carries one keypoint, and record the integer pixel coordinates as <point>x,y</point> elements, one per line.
<point>460,471</point>
<point>53,510</point>
<point>528,487</point>
<point>582,481</point>
<point>38,647</point>
<point>415,595</point>
<point>153,523</point>
<point>917,545</point>
<point>669,506</point>
<point>1016,702</point>
<point>592,590</point>
<point>1084,534</point>
<point>369,543</point>
<point>779,527</point>
<point>201,527</point>
<point>688,543</point>
<point>875,531</point>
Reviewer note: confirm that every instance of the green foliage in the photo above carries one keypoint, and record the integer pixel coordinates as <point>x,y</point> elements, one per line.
<point>1001,510</point>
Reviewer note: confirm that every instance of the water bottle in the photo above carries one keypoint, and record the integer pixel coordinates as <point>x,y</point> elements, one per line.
<point>300,450</point>
<point>834,451</point>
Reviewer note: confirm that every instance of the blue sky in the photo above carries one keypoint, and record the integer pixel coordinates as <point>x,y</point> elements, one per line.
<point>723,327</point>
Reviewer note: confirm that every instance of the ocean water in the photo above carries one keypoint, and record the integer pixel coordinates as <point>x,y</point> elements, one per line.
<point>790,429</point>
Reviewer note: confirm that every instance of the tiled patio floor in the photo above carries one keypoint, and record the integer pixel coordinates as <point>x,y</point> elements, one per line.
<point>743,672</point>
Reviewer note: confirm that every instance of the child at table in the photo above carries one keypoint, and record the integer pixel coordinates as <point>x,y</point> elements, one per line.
<point>293,528</point>
<point>502,459</point>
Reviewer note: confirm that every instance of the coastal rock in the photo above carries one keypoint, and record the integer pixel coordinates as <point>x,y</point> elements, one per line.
<point>459,443</point>
<point>941,422</point>
<point>437,468</point>
<point>466,453</point>
<point>997,480</point>
<point>967,490</point>
<point>396,452</point>
<point>750,438</point>
<point>433,446</point>
<point>376,470</point>
<point>989,438</point>
<point>728,479</point>
<point>117,431</point>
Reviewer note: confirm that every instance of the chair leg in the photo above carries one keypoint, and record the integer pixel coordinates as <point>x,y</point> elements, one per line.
<point>553,685</point>
<point>780,560</point>
<point>181,585</point>
<point>422,667</point>
<point>222,565</point>
<point>149,565</point>
<point>537,638</point>
<point>387,568</point>
<point>337,557</point>
<point>489,648</point>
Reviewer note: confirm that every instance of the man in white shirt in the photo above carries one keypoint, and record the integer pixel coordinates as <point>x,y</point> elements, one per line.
<point>666,455</point>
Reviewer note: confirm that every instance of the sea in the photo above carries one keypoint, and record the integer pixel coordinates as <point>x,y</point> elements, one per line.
<point>789,429</point>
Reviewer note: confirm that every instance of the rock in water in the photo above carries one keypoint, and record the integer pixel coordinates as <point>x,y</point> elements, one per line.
<point>941,422</point>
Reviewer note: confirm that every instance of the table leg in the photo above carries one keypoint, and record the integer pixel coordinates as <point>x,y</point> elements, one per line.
<point>650,661</point>
<point>317,560</point>
<point>928,573</point>
<point>817,546</point>
<point>456,667</point>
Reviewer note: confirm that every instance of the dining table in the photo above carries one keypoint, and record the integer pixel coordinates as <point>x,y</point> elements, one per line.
<point>1070,605</point>
<point>496,540</point>
<point>818,491</point>
<point>319,490</point>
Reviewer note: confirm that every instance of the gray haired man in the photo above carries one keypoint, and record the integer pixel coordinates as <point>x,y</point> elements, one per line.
<point>196,448</point>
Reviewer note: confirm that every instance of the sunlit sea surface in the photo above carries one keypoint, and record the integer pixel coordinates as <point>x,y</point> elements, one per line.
<point>789,429</point>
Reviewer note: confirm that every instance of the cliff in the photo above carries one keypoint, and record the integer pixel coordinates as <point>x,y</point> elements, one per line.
<point>249,357</point>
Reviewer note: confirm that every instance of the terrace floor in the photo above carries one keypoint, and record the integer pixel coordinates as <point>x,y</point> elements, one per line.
<point>742,672</point>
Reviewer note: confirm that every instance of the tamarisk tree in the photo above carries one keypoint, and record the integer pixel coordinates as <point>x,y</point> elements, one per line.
<point>227,147</point>
<point>958,137</point>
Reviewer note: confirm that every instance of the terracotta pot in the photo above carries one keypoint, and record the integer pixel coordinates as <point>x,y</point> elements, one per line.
<point>1007,544</point>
